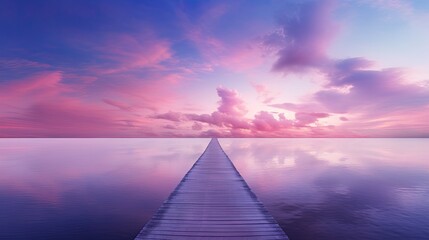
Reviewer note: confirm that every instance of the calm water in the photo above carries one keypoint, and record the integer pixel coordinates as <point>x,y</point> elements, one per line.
<point>315,188</point>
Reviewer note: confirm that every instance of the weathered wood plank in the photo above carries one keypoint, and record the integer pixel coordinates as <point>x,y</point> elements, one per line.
<point>212,202</point>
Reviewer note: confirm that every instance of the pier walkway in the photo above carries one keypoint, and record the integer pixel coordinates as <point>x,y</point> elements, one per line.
<point>212,202</point>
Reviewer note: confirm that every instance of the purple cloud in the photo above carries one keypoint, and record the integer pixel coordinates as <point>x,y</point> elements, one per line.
<point>265,121</point>
<point>304,118</point>
<point>307,31</point>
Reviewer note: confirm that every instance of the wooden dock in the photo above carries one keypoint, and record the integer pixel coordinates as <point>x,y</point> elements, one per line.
<point>212,202</point>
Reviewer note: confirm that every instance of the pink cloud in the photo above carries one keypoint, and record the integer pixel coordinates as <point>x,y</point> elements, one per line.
<point>42,105</point>
<point>353,85</point>
<point>409,122</point>
<point>300,107</point>
<point>135,51</point>
<point>121,106</point>
<point>266,122</point>
<point>46,104</point>
<point>130,71</point>
<point>221,120</point>
<point>263,92</point>
<point>123,52</point>
<point>39,85</point>
<point>230,113</point>
<point>171,116</point>
<point>230,102</point>
<point>241,58</point>
<point>169,126</point>
<point>153,92</point>
<point>237,54</point>
<point>304,118</point>
<point>197,126</point>
<point>261,89</point>
<point>230,121</point>
<point>373,96</point>
<point>377,91</point>
<point>67,118</point>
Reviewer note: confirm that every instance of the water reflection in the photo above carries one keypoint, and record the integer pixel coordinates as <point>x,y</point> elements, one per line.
<point>87,188</point>
<point>315,188</point>
<point>340,188</point>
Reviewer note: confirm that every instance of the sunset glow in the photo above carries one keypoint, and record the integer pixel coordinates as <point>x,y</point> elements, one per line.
<point>214,68</point>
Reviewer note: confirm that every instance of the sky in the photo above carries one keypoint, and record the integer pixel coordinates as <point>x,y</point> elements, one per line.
<point>245,68</point>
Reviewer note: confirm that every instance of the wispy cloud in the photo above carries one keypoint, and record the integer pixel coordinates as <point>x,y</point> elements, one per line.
<point>156,68</point>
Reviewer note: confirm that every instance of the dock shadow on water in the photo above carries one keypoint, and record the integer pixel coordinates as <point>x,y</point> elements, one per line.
<point>314,188</point>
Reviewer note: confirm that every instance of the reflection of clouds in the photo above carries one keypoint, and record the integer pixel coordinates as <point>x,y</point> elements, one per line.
<point>339,188</point>
<point>380,190</point>
<point>88,187</point>
<point>304,159</point>
<point>45,168</point>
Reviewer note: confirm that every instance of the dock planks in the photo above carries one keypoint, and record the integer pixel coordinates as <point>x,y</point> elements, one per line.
<point>212,202</point>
